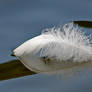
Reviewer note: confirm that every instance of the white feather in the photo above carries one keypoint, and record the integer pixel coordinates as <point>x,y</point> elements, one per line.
<point>60,45</point>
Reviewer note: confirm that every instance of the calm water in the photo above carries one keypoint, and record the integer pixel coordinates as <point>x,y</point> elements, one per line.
<point>21,20</point>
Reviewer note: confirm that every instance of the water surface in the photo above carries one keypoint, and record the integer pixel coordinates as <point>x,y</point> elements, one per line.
<point>21,20</point>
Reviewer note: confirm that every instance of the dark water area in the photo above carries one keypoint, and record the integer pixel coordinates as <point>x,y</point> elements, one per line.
<point>21,20</point>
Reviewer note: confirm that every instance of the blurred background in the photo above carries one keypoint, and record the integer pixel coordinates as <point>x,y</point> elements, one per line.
<point>21,20</point>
